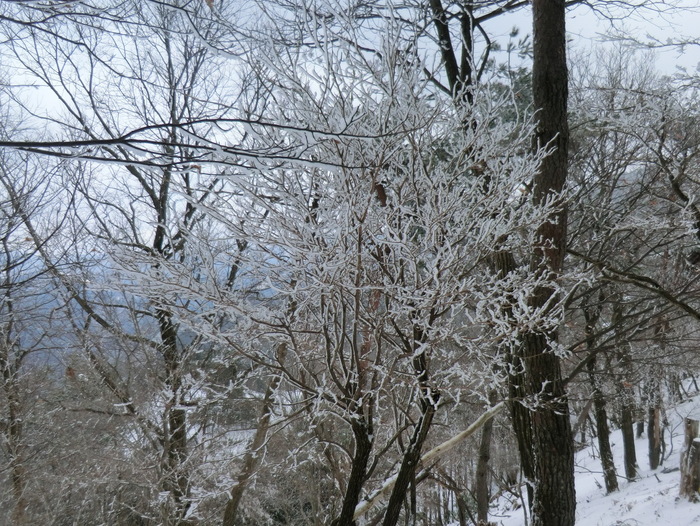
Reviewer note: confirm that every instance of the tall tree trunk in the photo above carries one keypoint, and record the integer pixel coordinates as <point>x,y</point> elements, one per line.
<point>690,461</point>
<point>591,314</point>
<point>601,421</point>
<point>483,483</point>
<point>522,425</point>
<point>504,263</point>
<point>625,394</point>
<point>176,479</point>
<point>554,501</point>
<point>626,426</point>
<point>654,435</point>
<point>462,509</point>
<point>655,400</point>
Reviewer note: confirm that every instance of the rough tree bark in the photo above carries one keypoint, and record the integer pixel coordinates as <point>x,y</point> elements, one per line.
<point>504,263</point>
<point>690,461</point>
<point>554,499</point>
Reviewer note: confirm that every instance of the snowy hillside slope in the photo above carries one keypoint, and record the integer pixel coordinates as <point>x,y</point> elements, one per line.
<point>651,500</point>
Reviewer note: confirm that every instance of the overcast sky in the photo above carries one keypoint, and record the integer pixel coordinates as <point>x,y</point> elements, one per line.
<point>587,30</point>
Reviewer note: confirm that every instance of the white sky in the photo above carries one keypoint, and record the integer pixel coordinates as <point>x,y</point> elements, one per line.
<point>646,26</point>
<point>587,30</point>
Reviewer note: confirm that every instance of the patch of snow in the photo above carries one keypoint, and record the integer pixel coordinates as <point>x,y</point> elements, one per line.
<point>651,500</point>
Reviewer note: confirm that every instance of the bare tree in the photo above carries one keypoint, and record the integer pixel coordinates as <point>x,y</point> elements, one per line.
<point>140,214</point>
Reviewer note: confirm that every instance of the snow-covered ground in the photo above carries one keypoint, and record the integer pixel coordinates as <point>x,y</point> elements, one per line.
<point>651,500</point>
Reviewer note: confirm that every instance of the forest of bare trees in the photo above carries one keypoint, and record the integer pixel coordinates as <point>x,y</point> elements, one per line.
<point>347,262</point>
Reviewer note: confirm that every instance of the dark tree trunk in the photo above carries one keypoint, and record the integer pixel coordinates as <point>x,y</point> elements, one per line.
<point>675,388</point>
<point>625,395</point>
<point>504,263</point>
<point>606,456</point>
<point>176,477</point>
<point>554,500</point>
<point>627,409</point>
<point>483,483</point>
<point>654,436</point>
<point>362,433</point>
<point>522,426</point>
<point>601,420</point>
<point>690,461</point>
<point>582,422</point>
<point>626,426</point>
<point>654,400</point>
<point>592,315</point>
<point>429,399</point>
<point>462,509</point>
<point>407,470</point>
